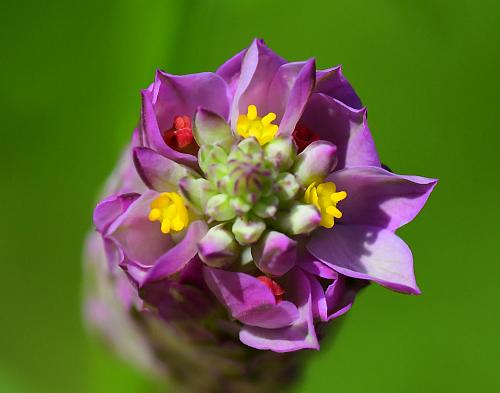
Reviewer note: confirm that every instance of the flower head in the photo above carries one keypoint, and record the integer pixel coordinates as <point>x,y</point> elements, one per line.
<point>256,193</point>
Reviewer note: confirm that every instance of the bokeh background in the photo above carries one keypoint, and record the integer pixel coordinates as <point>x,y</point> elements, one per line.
<point>428,71</point>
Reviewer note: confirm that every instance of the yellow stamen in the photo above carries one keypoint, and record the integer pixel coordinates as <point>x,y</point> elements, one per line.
<point>325,197</point>
<point>170,211</point>
<point>252,125</point>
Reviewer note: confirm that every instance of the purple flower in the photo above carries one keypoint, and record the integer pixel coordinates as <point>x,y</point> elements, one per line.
<point>254,196</point>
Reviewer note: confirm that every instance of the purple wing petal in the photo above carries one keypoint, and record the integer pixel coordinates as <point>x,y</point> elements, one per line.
<point>333,83</point>
<point>140,239</point>
<point>368,253</point>
<point>108,210</point>
<point>230,71</point>
<point>258,67</point>
<point>289,92</point>
<point>158,172</point>
<point>340,295</point>
<point>318,299</point>
<point>178,256</point>
<point>300,335</point>
<point>311,265</point>
<point>346,127</point>
<point>248,299</point>
<point>380,198</point>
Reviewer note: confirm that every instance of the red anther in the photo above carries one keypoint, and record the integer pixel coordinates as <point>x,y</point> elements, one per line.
<point>275,288</point>
<point>180,136</point>
<point>303,136</point>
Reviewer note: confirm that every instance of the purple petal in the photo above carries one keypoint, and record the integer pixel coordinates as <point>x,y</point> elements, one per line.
<point>340,295</point>
<point>230,71</point>
<point>380,198</point>
<point>368,253</point>
<point>318,299</point>
<point>275,253</point>
<point>259,65</point>
<point>140,239</point>
<point>158,172</point>
<point>333,83</point>
<point>289,92</point>
<point>271,316</point>
<point>111,208</point>
<point>300,335</point>
<point>248,299</point>
<point>346,127</point>
<point>311,265</point>
<point>178,256</point>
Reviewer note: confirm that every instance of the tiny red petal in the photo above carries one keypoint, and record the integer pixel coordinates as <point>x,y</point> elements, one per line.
<point>275,288</point>
<point>180,136</point>
<point>303,136</point>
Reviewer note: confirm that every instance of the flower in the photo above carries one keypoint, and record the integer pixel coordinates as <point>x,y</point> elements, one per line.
<point>257,201</point>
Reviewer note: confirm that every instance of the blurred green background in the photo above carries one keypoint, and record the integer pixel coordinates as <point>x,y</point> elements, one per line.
<point>428,71</point>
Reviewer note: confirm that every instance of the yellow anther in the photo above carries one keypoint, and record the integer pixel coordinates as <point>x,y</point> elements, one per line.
<point>252,125</point>
<point>252,112</point>
<point>170,211</point>
<point>325,197</point>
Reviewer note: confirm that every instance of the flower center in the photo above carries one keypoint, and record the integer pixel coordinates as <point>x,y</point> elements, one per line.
<point>169,209</point>
<point>252,125</point>
<point>325,197</point>
<point>180,136</point>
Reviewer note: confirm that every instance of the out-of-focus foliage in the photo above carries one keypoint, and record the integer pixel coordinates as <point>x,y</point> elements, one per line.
<point>69,99</point>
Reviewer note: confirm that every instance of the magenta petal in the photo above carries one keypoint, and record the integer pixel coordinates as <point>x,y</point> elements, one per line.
<point>248,299</point>
<point>230,71</point>
<point>315,267</point>
<point>140,239</point>
<point>271,316</point>
<point>318,299</point>
<point>258,67</point>
<point>380,198</point>
<point>158,172</point>
<point>340,295</point>
<point>366,252</point>
<point>333,83</point>
<point>344,126</point>
<point>289,92</point>
<point>111,208</point>
<point>178,256</point>
<point>300,335</point>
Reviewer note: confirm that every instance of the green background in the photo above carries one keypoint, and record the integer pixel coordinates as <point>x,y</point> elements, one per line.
<point>428,71</point>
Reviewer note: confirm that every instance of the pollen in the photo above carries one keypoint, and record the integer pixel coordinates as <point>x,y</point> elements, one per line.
<point>261,128</point>
<point>325,197</point>
<point>170,211</point>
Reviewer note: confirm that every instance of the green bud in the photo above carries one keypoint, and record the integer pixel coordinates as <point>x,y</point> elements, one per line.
<point>219,208</point>
<point>240,206</point>
<point>210,129</point>
<point>266,207</point>
<point>300,219</point>
<point>281,152</point>
<point>248,231</point>
<point>287,186</point>
<point>211,155</point>
<point>196,192</point>
<point>218,248</point>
